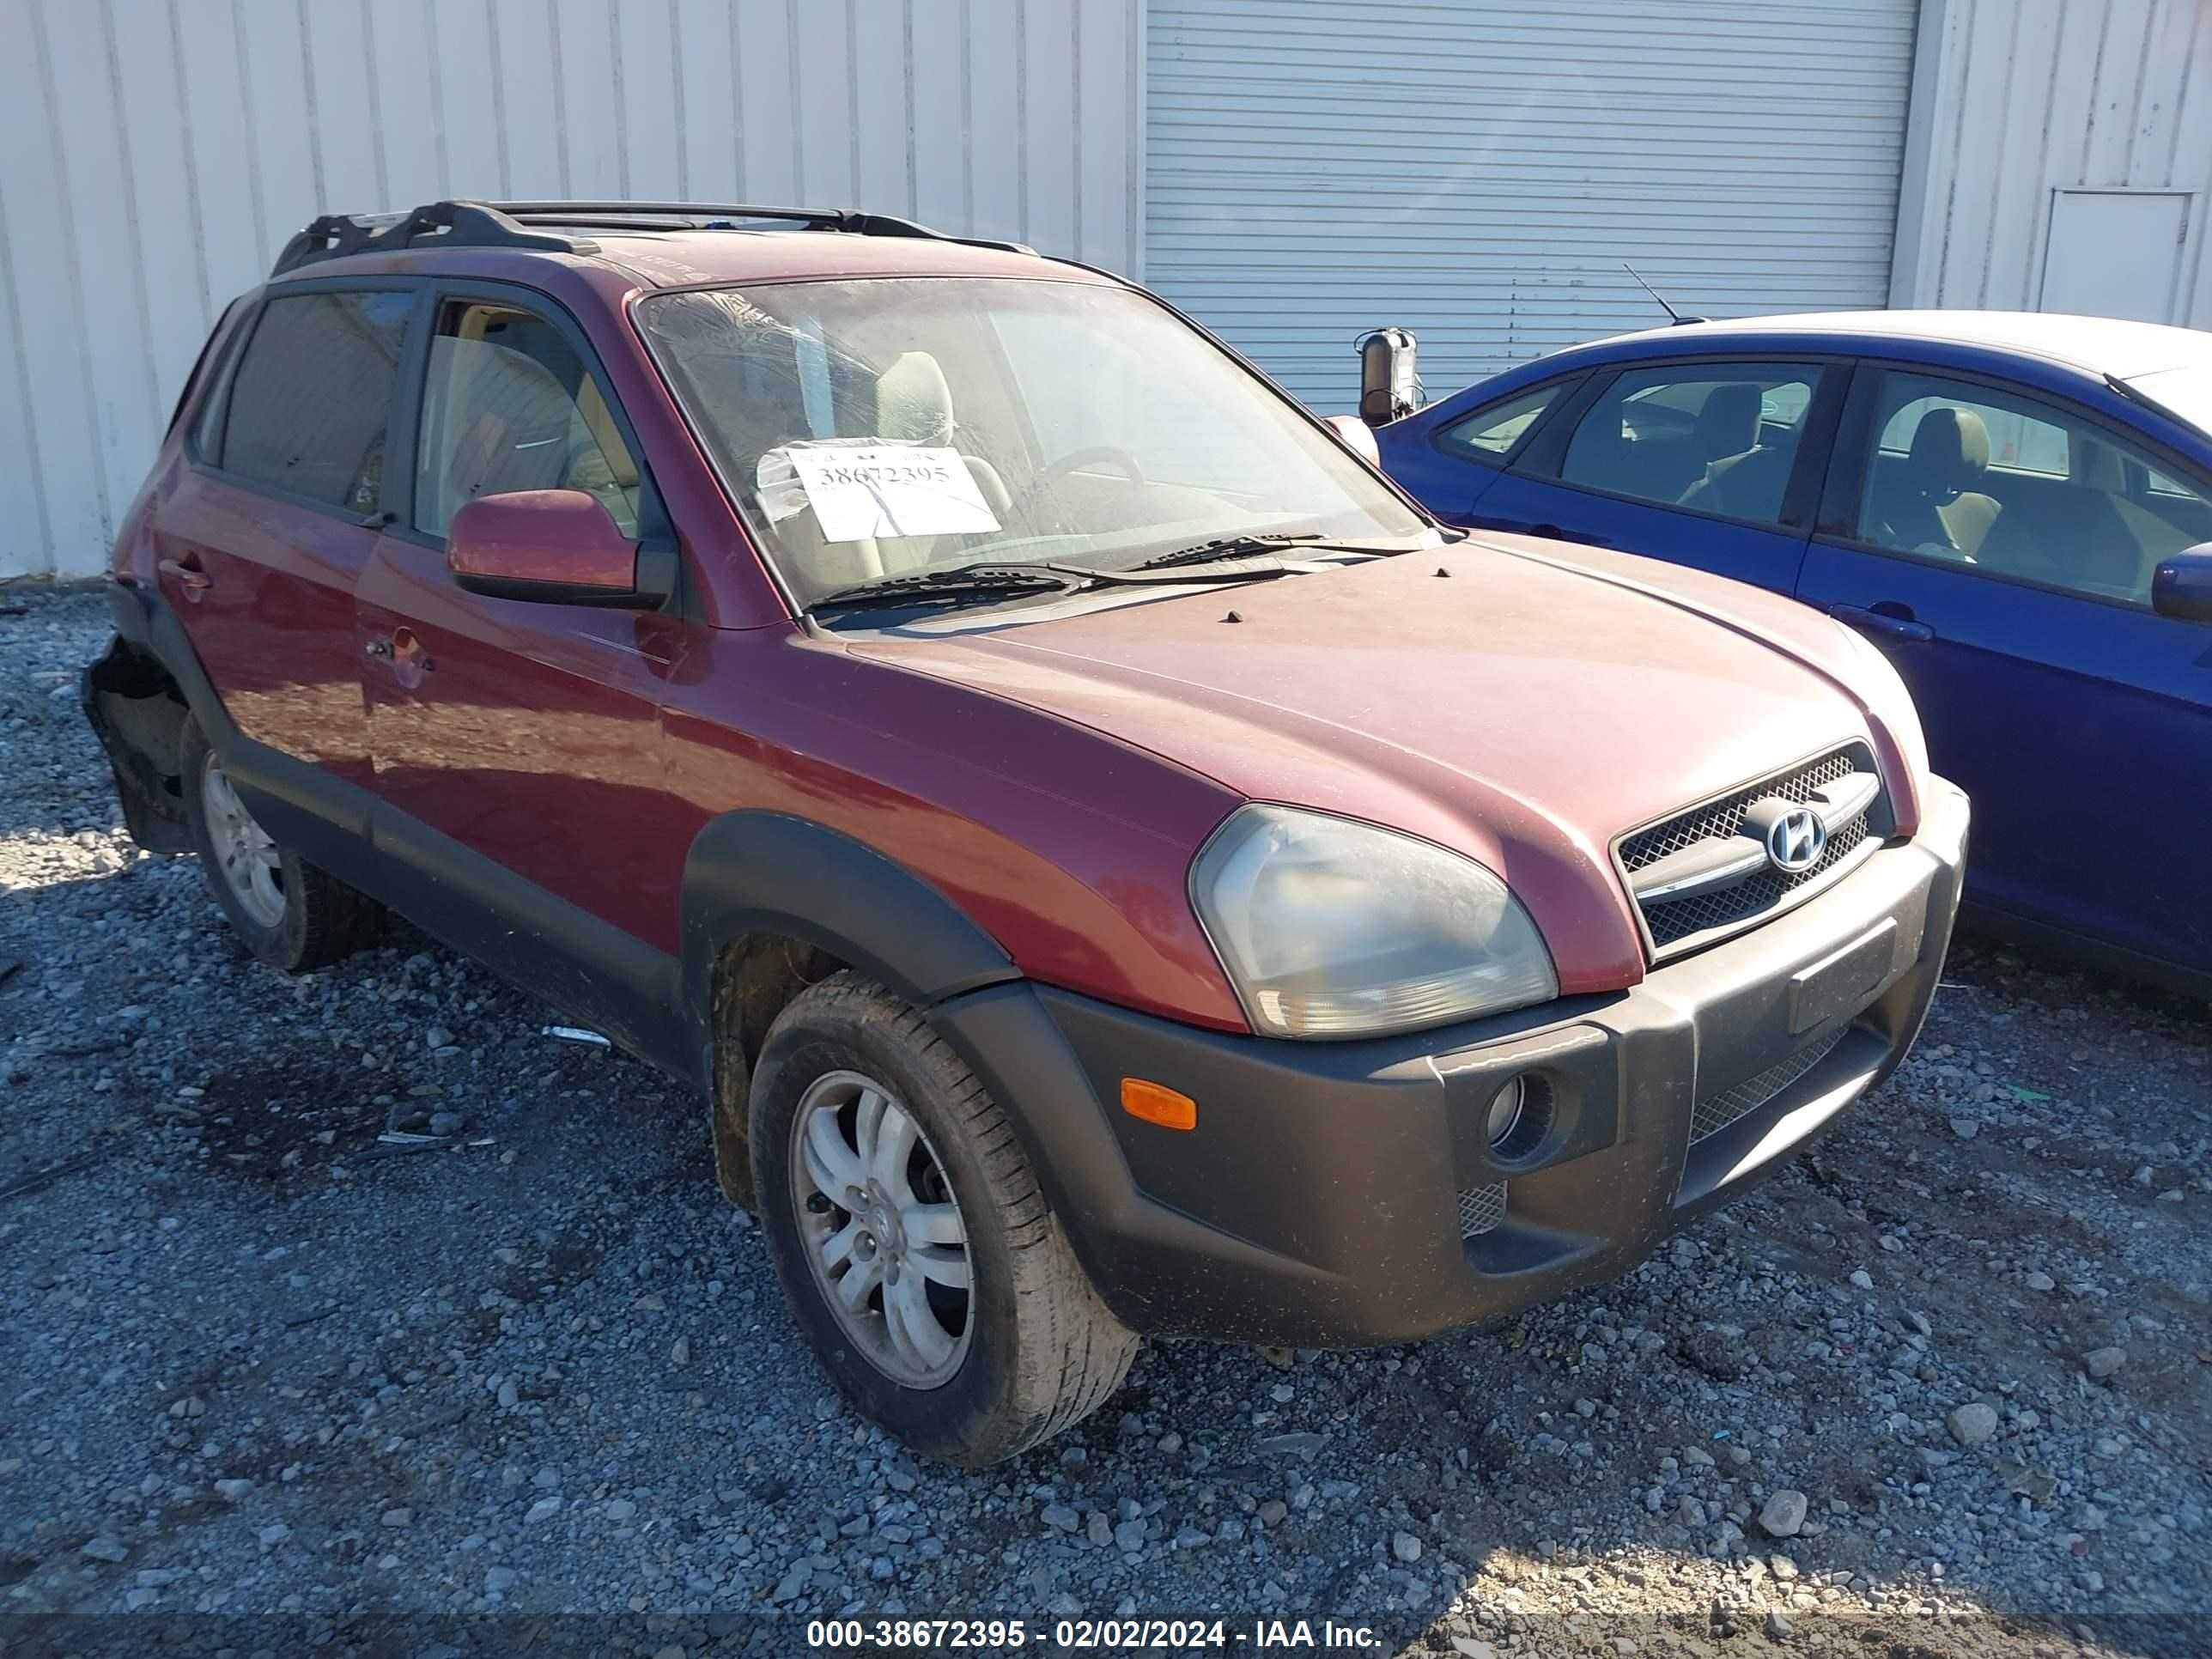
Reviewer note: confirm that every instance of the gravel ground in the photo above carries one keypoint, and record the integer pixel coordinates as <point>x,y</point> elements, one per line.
<point>1943,1387</point>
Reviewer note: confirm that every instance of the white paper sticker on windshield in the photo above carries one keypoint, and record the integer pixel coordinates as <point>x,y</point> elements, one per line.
<point>880,491</point>
<point>778,485</point>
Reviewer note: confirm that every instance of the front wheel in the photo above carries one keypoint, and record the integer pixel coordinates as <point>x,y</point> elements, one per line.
<point>914,1244</point>
<point>290,915</point>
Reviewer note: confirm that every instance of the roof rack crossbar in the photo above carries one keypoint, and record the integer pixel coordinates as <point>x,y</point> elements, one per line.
<point>542,226</point>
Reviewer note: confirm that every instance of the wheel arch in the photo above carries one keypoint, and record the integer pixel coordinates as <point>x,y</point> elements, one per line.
<point>137,710</point>
<point>773,903</point>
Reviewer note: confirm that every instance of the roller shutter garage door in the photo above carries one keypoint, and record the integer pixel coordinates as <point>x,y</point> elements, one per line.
<point>1477,172</point>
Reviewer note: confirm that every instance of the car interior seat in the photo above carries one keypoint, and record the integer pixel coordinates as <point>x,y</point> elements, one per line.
<point>605,465</point>
<point>1930,504</point>
<point>2079,536</point>
<point>1727,420</point>
<point>760,395</point>
<point>1746,482</point>
<point>914,405</point>
<point>517,426</point>
<point>1660,465</point>
<point>510,420</point>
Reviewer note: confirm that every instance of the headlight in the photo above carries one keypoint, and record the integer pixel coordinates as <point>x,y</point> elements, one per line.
<point>1329,928</point>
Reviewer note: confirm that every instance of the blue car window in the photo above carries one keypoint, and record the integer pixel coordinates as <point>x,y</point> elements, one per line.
<point>1719,438</point>
<point>2019,488</point>
<point>1490,435</point>
<point>2022,442</point>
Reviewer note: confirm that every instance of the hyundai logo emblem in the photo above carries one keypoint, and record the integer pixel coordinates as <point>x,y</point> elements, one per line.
<point>1797,841</point>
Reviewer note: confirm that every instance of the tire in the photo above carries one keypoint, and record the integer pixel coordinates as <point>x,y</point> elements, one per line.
<point>298,918</point>
<point>1037,1350</point>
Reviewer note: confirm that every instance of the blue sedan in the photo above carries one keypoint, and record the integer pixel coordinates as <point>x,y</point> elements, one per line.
<point>2016,508</point>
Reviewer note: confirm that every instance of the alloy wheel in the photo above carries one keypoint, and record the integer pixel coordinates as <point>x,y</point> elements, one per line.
<point>247,857</point>
<point>882,1233</point>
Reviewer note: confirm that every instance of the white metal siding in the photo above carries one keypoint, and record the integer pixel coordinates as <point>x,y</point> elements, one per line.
<point>2024,101</point>
<point>155,154</point>
<point>1477,172</point>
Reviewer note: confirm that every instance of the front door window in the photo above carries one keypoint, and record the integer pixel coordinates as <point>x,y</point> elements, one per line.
<point>2021,490</point>
<point>508,405</point>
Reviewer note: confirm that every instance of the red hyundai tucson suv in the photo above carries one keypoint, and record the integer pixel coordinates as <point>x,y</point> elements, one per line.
<point>1111,861</point>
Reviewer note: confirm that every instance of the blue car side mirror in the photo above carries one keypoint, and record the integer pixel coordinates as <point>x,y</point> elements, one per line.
<point>2182,586</point>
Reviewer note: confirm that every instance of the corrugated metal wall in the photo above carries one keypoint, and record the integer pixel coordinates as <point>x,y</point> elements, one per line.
<point>2020,101</point>
<point>1478,172</point>
<point>154,155</point>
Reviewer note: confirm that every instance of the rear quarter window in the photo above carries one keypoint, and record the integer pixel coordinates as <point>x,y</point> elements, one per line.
<point>1491,433</point>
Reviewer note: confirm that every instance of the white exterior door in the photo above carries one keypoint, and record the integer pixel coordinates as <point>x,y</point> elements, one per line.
<point>1477,172</point>
<point>2115,253</point>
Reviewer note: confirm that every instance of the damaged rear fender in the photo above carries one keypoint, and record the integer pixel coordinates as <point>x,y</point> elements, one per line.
<point>138,713</point>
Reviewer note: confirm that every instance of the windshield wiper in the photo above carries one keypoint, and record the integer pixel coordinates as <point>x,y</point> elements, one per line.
<point>981,580</point>
<point>1235,547</point>
<point>1220,568</point>
<point>978,579</point>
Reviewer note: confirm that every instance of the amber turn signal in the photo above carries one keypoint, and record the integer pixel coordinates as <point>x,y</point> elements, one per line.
<point>1156,1103</point>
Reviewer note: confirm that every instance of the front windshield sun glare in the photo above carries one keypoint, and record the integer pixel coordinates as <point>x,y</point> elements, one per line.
<point>884,427</point>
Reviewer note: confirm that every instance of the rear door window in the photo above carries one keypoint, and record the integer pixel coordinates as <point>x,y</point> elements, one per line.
<point>1720,438</point>
<point>312,398</point>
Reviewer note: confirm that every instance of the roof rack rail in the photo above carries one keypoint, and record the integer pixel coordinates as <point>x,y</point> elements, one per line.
<point>543,225</point>
<point>720,216</point>
<point>455,224</point>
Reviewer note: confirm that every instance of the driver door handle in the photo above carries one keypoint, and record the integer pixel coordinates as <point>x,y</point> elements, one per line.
<point>1889,621</point>
<point>193,579</point>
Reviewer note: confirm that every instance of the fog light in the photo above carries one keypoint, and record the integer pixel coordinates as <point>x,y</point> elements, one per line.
<point>1518,1120</point>
<point>1507,1107</point>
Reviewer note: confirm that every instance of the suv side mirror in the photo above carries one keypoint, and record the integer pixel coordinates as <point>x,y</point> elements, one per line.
<point>2182,586</point>
<point>557,547</point>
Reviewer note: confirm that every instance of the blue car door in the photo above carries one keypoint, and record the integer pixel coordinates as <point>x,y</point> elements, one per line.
<point>1998,545</point>
<point>1705,462</point>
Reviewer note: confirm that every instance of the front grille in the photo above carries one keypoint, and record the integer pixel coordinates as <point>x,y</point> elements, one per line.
<point>1481,1209</point>
<point>1671,921</point>
<point>1712,1115</point>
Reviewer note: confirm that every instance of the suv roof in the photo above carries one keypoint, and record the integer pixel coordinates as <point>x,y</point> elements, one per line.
<point>658,243</point>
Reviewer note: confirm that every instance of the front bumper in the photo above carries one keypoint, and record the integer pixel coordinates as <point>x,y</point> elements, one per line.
<point>1336,1194</point>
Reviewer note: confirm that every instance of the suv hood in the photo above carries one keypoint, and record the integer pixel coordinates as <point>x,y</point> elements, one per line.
<point>1527,708</point>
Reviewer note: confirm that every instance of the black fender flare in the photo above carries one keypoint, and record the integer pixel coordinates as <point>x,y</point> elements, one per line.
<point>753,872</point>
<point>757,872</point>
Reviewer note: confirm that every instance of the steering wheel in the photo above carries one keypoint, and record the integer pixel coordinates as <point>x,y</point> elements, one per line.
<point>1077,460</point>
<point>1110,454</point>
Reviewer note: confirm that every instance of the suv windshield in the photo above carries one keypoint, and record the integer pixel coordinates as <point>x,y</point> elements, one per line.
<point>889,425</point>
